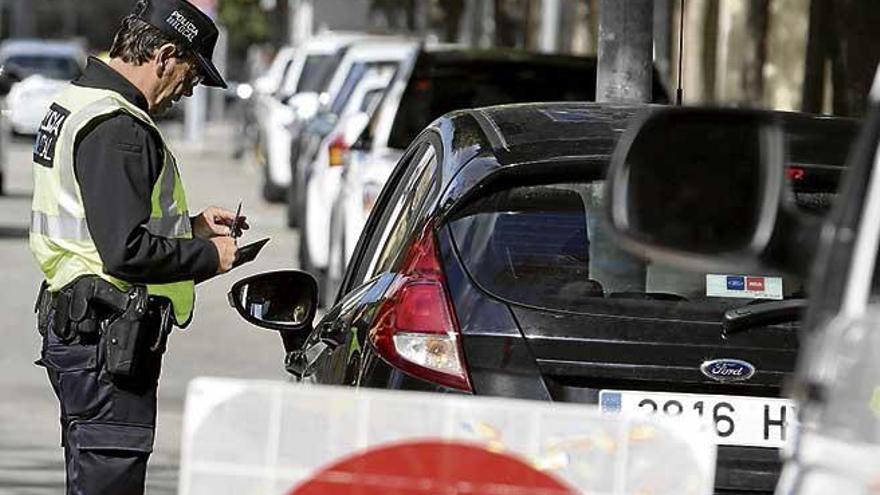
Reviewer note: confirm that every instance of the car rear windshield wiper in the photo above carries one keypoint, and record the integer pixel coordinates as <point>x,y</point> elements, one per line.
<point>757,315</point>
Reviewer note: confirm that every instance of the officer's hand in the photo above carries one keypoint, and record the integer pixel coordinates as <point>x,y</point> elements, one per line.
<point>226,251</point>
<point>215,221</point>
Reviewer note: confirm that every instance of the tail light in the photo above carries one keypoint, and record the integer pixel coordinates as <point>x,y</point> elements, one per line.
<point>338,149</point>
<point>795,173</point>
<point>415,328</point>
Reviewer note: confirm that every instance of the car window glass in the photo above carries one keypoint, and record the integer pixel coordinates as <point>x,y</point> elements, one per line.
<point>52,67</point>
<point>328,70</point>
<point>311,72</point>
<point>357,73</point>
<point>282,81</point>
<point>418,188</point>
<point>388,213</point>
<point>371,100</point>
<point>438,87</point>
<point>399,204</point>
<point>548,246</point>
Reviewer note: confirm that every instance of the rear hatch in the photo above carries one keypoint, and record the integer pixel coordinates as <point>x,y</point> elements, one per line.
<point>607,328</point>
<point>598,318</point>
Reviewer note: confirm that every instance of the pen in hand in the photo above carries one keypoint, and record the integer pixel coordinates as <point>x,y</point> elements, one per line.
<point>234,231</point>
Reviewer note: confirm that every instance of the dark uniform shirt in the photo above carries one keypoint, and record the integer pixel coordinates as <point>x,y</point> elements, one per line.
<point>117,163</point>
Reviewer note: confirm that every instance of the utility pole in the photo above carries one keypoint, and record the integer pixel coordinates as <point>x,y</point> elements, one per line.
<point>302,18</point>
<point>623,76</point>
<point>486,38</point>
<point>550,20</point>
<point>468,26</point>
<point>625,51</point>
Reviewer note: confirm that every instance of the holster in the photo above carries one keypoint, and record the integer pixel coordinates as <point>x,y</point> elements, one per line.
<point>123,333</point>
<point>130,322</point>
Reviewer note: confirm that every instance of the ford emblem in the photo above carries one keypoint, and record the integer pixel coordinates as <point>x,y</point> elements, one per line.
<point>728,370</point>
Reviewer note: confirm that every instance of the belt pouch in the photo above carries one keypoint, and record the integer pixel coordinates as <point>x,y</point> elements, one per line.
<point>60,326</point>
<point>43,309</point>
<point>81,307</point>
<point>121,337</point>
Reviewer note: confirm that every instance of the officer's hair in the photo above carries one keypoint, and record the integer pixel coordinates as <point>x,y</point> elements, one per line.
<point>136,41</point>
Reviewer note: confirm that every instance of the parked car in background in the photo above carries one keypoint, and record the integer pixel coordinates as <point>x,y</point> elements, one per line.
<point>322,179</point>
<point>43,67</point>
<point>267,84</point>
<point>297,96</point>
<point>384,54</point>
<point>486,267</point>
<point>436,81</point>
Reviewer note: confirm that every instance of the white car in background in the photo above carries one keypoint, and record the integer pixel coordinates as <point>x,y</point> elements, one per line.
<point>320,177</point>
<point>43,68</point>
<point>327,166</point>
<point>266,86</point>
<point>268,83</point>
<point>297,97</point>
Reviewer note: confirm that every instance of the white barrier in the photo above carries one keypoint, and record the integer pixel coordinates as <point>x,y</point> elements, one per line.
<point>256,437</point>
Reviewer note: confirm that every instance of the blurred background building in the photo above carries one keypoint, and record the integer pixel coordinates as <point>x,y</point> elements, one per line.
<point>813,55</point>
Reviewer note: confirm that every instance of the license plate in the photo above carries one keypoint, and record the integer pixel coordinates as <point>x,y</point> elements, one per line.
<point>736,420</point>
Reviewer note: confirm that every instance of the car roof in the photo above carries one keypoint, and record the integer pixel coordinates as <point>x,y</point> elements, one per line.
<point>535,131</point>
<point>330,41</point>
<point>461,53</point>
<point>392,47</point>
<point>15,47</point>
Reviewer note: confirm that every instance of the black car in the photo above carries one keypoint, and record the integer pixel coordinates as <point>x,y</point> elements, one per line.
<point>486,268</point>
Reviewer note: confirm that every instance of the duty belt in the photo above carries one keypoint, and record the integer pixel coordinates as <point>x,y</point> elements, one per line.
<point>90,306</point>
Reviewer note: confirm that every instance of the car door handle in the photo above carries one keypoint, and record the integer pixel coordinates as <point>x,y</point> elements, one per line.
<point>302,363</point>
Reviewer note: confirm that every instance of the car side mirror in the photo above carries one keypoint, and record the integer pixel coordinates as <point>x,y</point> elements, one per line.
<point>283,300</point>
<point>698,187</point>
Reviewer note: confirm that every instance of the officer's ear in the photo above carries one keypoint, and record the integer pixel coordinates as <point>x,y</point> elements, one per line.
<point>162,58</point>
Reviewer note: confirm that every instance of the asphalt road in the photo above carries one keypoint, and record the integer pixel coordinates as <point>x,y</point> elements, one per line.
<point>218,343</point>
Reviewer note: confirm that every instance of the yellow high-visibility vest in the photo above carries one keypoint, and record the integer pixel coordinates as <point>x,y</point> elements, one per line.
<point>59,235</point>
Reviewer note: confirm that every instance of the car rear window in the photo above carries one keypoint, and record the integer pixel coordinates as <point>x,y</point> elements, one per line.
<point>435,90</point>
<point>547,246</point>
<point>52,67</point>
<point>356,73</point>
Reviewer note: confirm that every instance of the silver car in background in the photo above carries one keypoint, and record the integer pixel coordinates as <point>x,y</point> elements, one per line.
<point>43,68</point>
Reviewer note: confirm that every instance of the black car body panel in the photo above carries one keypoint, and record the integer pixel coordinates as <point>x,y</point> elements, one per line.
<point>520,350</point>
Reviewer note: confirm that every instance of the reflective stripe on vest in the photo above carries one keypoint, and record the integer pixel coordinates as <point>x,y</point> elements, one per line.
<point>60,238</point>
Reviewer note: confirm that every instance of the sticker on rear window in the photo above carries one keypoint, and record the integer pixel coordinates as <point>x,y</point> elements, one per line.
<point>744,286</point>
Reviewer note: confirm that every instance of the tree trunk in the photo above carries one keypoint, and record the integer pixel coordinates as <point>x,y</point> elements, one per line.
<point>710,50</point>
<point>757,22</point>
<point>452,12</point>
<point>663,39</point>
<point>818,54</point>
<point>856,52</point>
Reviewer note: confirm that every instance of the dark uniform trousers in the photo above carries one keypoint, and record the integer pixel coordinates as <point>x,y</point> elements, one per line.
<point>107,421</point>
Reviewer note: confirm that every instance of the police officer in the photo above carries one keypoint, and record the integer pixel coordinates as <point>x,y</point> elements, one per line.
<point>111,232</point>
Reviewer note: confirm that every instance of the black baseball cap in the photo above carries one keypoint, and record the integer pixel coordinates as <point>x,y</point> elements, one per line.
<point>188,25</point>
